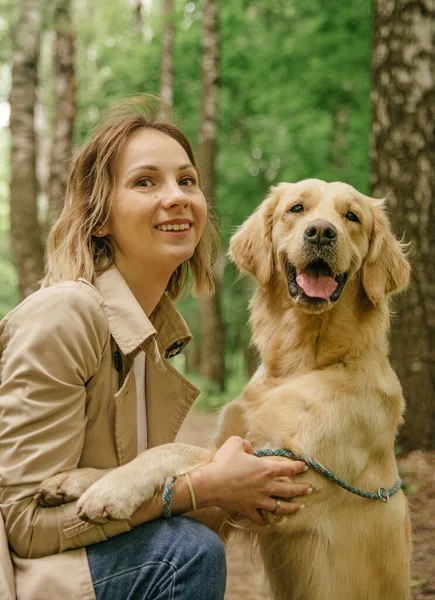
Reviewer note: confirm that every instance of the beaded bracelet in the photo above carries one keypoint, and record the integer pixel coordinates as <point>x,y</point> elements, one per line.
<point>167,497</point>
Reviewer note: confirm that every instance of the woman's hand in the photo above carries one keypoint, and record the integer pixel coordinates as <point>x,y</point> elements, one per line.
<point>236,480</point>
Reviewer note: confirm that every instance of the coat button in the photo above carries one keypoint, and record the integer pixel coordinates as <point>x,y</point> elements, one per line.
<point>174,349</point>
<point>117,359</point>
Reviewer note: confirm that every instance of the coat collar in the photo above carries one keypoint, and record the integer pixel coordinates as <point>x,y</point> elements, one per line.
<point>165,331</point>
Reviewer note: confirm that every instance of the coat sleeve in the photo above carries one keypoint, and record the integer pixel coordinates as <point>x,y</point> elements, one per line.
<point>52,345</point>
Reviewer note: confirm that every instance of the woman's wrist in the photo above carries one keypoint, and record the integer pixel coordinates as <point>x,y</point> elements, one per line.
<point>179,502</point>
<point>201,489</point>
<point>181,497</point>
<point>204,488</point>
<point>147,512</point>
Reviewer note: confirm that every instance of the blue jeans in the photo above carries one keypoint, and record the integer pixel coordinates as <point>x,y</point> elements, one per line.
<point>166,559</point>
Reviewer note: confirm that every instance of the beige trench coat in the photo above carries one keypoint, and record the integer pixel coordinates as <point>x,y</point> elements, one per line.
<point>64,404</point>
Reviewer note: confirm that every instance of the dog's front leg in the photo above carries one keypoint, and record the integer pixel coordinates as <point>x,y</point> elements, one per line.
<point>67,486</point>
<point>119,493</point>
<point>231,422</point>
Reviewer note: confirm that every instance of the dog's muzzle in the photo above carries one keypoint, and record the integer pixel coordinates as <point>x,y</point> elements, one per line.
<point>316,283</point>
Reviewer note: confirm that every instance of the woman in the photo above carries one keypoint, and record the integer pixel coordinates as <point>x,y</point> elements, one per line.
<point>86,380</point>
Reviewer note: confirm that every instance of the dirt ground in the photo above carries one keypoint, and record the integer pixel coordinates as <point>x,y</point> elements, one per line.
<point>246,576</point>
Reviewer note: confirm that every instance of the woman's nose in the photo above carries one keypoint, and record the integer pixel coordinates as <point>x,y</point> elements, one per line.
<point>174,195</point>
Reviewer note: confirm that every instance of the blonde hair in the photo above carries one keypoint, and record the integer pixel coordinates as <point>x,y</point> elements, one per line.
<point>72,250</point>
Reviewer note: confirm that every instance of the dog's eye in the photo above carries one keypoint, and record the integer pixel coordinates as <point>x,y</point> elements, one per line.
<point>297,208</point>
<point>350,216</point>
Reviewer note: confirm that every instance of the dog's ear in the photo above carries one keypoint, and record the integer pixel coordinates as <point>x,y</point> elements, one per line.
<point>385,269</point>
<point>251,246</point>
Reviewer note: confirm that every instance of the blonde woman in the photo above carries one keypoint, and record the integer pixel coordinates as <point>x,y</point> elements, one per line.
<point>86,380</point>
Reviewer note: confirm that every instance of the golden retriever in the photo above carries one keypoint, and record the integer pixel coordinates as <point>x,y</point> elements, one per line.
<point>325,261</point>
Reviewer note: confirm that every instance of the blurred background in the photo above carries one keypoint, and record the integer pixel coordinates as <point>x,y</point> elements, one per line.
<point>268,91</point>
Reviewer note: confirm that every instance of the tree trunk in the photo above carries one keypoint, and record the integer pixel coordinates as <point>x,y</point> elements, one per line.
<point>26,242</point>
<point>43,140</point>
<point>193,358</point>
<point>212,327</point>
<point>138,15</point>
<point>403,158</point>
<point>166,82</point>
<point>339,131</point>
<point>65,105</point>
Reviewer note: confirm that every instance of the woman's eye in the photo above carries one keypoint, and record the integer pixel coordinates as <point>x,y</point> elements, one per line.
<point>297,208</point>
<point>351,216</point>
<point>144,182</point>
<point>187,181</point>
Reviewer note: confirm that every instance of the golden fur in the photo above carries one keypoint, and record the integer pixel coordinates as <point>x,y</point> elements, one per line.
<point>326,391</point>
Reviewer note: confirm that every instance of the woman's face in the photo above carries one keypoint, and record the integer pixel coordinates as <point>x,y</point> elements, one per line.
<point>158,212</point>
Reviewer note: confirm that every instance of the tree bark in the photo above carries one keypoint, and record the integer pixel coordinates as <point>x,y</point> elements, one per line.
<point>193,358</point>
<point>43,141</point>
<point>65,105</point>
<point>212,327</point>
<point>166,81</point>
<point>138,15</point>
<point>338,146</point>
<point>403,158</point>
<point>26,242</point>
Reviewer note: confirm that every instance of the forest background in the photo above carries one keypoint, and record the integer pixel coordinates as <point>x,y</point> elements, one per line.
<point>268,91</point>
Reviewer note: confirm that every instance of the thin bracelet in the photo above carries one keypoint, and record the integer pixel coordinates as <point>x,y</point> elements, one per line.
<point>167,497</point>
<point>191,491</point>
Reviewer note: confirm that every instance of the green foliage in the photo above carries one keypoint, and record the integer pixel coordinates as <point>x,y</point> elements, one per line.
<point>8,277</point>
<point>115,58</point>
<point>211,398</point>
<point>8,19</point>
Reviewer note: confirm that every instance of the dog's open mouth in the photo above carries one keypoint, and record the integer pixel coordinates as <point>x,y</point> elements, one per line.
<point>315,283</point>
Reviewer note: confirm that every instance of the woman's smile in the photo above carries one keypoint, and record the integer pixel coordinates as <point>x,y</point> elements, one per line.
<point>176,226</point>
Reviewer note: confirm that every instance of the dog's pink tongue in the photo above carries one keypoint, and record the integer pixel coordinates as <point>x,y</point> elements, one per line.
<point>316,285</point>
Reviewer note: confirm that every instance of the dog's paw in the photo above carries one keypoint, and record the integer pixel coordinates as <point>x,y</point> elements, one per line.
<point>67,486</point>
<point>111,500</point>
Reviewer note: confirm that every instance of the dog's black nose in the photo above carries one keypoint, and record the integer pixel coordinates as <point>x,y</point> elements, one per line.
<point>320,233</point>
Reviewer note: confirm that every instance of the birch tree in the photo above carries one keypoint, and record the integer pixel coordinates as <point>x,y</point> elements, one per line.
<point>166,81</point>
<point>402,165</point>
<point>65,104</point>
<point>212,327</point>
<point>26,241</point>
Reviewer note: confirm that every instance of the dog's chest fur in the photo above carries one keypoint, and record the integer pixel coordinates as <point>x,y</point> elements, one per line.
<point>321,394</point>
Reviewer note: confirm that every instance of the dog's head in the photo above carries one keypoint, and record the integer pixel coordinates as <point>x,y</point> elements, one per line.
<point>320,236</point>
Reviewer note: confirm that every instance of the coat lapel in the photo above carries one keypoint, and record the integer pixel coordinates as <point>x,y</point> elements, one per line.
<point>169,396</point>
<point>126,420</point>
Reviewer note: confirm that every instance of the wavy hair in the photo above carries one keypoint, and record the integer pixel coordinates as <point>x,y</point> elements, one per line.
<point>72,249</point>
